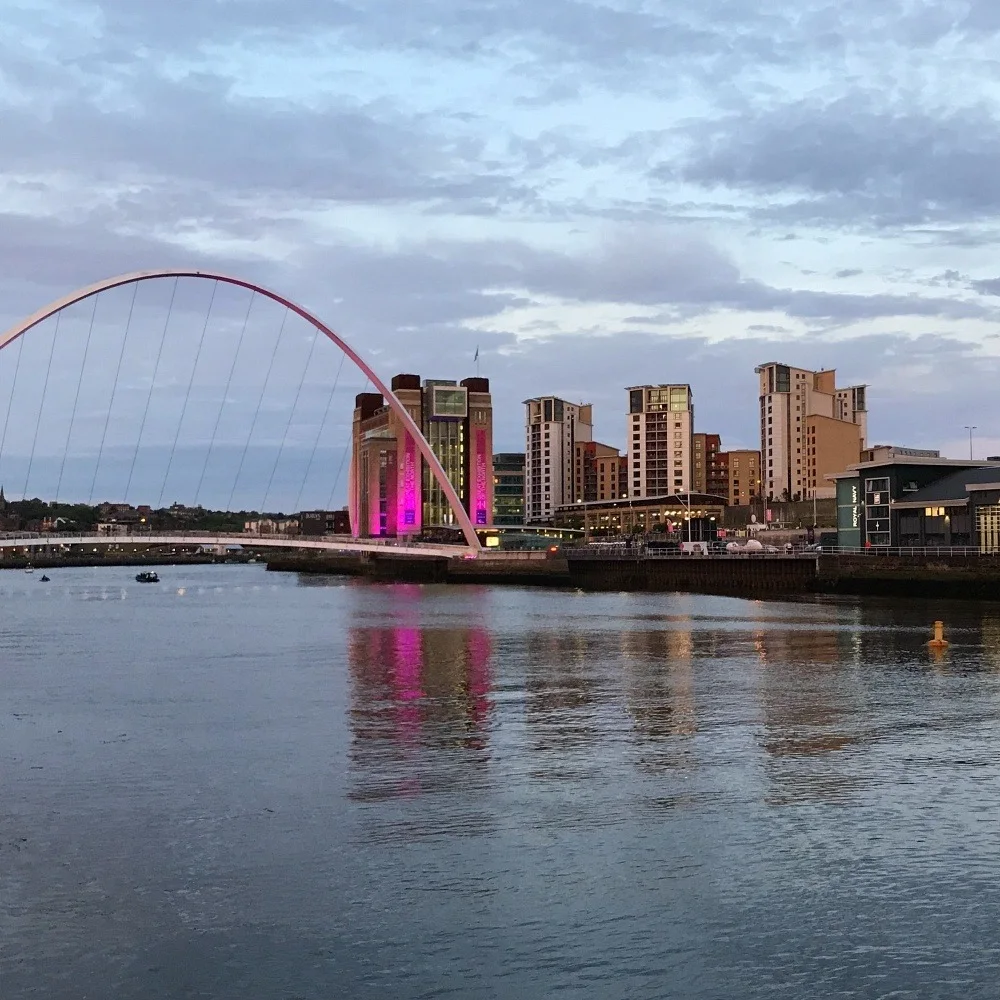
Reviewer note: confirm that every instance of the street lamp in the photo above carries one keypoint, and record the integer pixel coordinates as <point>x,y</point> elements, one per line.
<point>970,429</point>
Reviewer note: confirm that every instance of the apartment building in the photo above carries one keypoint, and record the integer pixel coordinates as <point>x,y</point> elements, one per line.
<point>708,461</point>
<point>742,475</point>
<point>659,431</point>
<point>597,472</point>
<point>553,427</point>
<point>809,429</point>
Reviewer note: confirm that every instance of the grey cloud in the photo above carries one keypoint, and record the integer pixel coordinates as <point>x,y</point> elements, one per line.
<point>194,131</point>
<point>849,272</point>
<point>853,156</point>
<point>982,17</point>
<point>987,286</point>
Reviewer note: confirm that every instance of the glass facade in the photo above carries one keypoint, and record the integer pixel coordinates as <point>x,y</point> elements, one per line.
<point>849,513</point>
<point>508,488</point>
<point>988,524</point>
<point>877,500</point>
<point>449,401</point>
<point>447,440</point>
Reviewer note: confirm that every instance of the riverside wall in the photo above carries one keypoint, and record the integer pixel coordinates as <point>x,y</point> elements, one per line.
<point>518,569</point>
<point>745,577</point>
<point>949,576</point>
<point>962,577</point>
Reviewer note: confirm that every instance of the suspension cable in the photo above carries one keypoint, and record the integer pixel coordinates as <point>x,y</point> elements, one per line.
<point>76,398</point>
<point>10,401</point>
<point>319,432</point>
<point>152,385</point>
<point>187,395</point>
<point>225,393</point>
<point>41,405</point>
<point>343,457</point>
<point>260,400</point>
<point>291,415</point>
<point>114,391</point>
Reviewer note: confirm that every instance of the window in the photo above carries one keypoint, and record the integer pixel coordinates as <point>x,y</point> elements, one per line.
<point>934,511</point>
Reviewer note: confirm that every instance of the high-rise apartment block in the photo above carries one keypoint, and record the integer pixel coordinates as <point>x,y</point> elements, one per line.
<point>808,429</point>
<point>553,427</point>
<point>392,492</point>
<point>660,424</point>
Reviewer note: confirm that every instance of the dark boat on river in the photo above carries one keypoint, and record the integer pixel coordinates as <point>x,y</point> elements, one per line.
<point>148,576</point>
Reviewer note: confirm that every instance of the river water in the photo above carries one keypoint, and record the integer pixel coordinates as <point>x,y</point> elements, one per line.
<point>237,784</point>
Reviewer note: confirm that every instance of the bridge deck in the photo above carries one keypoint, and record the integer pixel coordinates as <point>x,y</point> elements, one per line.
<point>424,550</point>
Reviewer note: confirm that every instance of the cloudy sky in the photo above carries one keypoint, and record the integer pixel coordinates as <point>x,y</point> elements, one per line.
<point>595,193</point>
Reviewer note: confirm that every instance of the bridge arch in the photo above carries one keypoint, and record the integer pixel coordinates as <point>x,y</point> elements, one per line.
<point>423,445</point>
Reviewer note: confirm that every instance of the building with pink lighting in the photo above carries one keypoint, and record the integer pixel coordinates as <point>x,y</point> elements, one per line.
<point>392,492</point>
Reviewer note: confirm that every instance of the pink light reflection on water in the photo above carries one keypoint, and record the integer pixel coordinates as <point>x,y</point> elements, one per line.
<point>480,678</point>
<point>408,657</point>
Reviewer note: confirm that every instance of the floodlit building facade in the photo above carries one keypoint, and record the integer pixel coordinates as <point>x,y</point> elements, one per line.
<point>392,491</point>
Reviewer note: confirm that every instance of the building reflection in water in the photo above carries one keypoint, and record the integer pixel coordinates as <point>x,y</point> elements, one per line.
<point>562,692</point>
<point>813,706</point>
<point>991,641</point>
<point>416,691</point>
<point>659,676</point>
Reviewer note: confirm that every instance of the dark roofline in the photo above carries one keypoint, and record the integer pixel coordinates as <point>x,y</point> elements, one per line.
<point>673,499</point>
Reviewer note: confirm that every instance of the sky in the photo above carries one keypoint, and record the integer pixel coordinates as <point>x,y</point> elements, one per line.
<point>594,194</point>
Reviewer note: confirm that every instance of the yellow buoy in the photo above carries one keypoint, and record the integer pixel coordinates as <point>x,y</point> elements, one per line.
<point>939,641</point>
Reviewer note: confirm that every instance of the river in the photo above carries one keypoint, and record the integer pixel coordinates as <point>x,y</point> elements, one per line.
<point>237,784</point>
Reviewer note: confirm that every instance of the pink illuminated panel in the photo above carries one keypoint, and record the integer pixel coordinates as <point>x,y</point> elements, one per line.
<point>408,507</point>
<point>481,496</point>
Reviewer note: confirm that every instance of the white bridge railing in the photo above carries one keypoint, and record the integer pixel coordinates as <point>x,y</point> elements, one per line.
<point>207,539</point>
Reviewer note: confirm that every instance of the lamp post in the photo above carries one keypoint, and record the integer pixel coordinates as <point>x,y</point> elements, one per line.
<point>970,429</point>
<point>687,503</point>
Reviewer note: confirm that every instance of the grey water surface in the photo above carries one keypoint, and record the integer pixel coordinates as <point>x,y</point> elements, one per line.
<point>237,784</point>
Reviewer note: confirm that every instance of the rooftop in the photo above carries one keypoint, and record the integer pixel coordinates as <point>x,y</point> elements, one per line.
<point>682,500</point>
<point>944,463</point>
<point>955,486</point>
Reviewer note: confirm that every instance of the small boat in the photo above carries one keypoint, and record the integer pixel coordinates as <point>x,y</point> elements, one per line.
<point>43,579</point>
<point>147,577</point>
<point>29,568</point>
